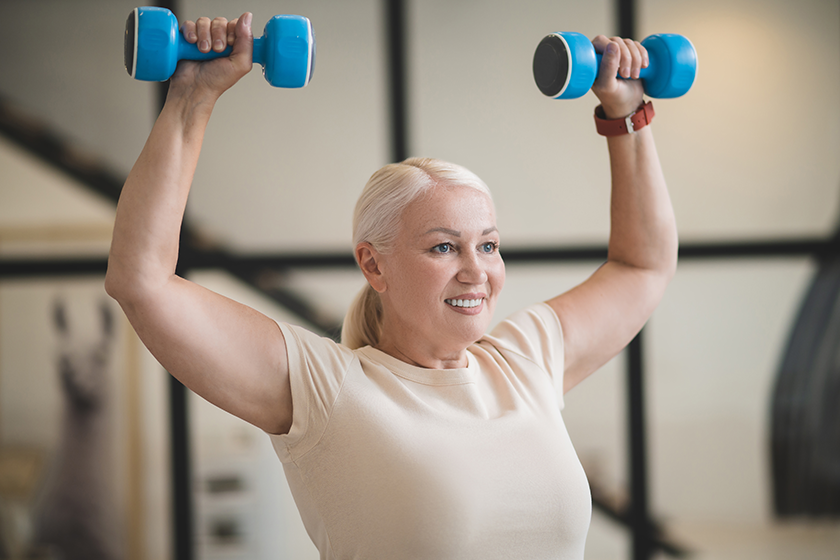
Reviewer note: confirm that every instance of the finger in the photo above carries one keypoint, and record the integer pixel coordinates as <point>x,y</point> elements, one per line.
<point>626,60</point>
<point>600,43</point>
<point>231,31</point>
<point>635,57</point>
<point>202,30</point>
<point>645,56</point>
<point>188,31</point>
<point>609,61</point>
<point>218,33</point>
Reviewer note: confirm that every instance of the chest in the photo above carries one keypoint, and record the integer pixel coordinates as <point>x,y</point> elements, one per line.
<point>464,470</point>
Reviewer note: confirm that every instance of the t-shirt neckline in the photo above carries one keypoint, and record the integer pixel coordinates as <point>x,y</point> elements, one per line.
<point>426,376</point>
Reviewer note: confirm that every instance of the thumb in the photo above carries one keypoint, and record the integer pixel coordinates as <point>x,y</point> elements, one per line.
<point>243,43</point>
<point>609,63</point>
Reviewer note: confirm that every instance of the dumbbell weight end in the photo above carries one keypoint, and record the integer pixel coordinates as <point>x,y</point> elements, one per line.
<point>565,65</point>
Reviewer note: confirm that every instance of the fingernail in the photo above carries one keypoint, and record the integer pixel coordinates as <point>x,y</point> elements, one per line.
<point>204,46</point>
<point>192,36</point>
<point>248,17</point>
<point>218,44</point>
<point>612,48</point>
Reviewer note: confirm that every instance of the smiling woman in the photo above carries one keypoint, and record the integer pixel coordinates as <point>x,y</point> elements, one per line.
<point>422,435</point>
<point>377,220</point>
<point>438,273</point>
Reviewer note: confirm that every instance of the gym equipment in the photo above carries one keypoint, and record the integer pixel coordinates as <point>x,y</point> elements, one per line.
<point>154,45</point>
<point>566,65</point>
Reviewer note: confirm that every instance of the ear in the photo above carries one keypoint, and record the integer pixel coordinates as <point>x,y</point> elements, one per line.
<point>369,261</point>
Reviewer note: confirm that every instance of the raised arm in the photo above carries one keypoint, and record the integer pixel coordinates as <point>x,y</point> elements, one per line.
<point>603,314</point>
<point>225,352</point>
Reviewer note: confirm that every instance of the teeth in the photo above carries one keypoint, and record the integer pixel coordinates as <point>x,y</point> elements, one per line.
<point>464,302</point>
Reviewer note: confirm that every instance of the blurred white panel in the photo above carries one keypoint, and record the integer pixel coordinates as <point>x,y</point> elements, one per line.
<point>34,194</point>
<point>752,150</point>
<point>474,102</point>
<point>281,169</point>
<point>713,350</point>
<point>63,61</point>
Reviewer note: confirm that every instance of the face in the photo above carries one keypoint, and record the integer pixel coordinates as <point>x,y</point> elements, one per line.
<point>441,281</point>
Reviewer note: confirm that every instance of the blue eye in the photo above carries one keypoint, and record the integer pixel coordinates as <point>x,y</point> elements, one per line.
<point>442,248</point>
<point>489,247</point>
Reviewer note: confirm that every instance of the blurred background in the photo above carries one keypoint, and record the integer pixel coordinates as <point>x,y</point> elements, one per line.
<point>731,389</point>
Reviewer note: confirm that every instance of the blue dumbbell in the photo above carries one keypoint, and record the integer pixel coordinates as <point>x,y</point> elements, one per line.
<point>566,65</point>
<point>154,45</point>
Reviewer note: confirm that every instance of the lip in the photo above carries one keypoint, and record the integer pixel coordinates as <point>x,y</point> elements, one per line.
<point>472,295</point>
<point>468,310</point>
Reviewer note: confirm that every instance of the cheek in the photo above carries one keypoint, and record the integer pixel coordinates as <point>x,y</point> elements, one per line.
<point>497,276</point>
<point>415,277</point>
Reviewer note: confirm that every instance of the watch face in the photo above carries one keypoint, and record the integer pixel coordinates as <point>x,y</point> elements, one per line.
<point>551,65</point>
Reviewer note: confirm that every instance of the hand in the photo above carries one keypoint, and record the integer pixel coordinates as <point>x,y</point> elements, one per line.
<point>219,74</point>
<point>626,58</point>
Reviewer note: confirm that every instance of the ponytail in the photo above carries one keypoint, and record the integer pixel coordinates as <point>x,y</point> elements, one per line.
<point>362,323</point>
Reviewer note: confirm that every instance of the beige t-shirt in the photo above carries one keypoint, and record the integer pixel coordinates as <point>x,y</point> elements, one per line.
<point>390,461</point>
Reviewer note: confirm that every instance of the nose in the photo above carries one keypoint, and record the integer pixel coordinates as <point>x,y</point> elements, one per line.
<point>472,270</point>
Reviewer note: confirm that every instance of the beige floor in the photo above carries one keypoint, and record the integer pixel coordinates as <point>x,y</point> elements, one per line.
<point>710,541</point>
<point>777,541</point>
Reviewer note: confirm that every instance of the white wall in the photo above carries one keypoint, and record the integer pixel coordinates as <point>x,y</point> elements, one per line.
<point>750,152</point>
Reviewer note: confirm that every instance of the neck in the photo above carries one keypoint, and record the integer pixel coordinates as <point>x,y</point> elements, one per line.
<point>423,358</point>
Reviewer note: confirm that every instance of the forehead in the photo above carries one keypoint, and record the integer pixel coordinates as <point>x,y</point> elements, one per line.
<point>453,207</point>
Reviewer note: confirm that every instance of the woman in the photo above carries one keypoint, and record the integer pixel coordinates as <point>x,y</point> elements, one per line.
<point>421,436</point>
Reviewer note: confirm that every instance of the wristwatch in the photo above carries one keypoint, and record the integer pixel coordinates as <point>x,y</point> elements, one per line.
<point>631,123</point>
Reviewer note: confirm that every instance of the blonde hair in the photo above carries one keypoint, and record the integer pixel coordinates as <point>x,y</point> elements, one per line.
<point>376,220</point>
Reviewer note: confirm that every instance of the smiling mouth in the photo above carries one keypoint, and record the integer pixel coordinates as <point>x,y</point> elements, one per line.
<point>464,302</point>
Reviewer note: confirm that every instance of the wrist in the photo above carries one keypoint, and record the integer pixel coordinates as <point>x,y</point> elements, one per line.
<point>189,102</point>
<point>619,111</point>
<point>627,123</point>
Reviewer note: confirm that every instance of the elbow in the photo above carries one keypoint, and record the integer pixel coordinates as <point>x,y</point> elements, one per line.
<point>112,282</point>
<point>122,283</point>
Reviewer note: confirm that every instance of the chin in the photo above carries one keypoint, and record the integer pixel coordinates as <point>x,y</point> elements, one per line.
<point>472,333</point>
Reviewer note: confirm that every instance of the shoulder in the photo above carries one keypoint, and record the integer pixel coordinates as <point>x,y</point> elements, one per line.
<point>532,329</point>
<point>304,347</point>
<point>533,334</point>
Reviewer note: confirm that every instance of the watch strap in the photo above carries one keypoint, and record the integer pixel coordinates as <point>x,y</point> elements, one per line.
<point>629,124</point>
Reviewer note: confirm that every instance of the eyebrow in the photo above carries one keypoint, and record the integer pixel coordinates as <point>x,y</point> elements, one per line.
<point>458,233</point>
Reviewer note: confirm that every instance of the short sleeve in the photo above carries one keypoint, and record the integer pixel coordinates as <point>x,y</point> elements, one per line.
<point>317,369</point>
<point>534,333</point>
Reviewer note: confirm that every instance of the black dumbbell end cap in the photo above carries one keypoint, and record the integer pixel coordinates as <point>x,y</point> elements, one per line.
<point>129,45</point>
<point>551,65</point>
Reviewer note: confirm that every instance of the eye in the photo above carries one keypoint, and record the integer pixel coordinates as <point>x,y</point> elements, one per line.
<point>489,247</point>
<point>443,248</point>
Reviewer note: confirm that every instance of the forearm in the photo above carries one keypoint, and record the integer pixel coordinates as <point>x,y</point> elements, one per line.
<point>643,230</point>
<point>144,248</point>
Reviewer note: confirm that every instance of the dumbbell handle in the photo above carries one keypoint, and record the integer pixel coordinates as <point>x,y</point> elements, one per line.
<point>645,72</point>
<point>190,51</point>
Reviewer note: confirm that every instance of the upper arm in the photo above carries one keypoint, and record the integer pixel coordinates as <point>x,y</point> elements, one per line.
<point>602,315</point>
<point>226,352</point>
